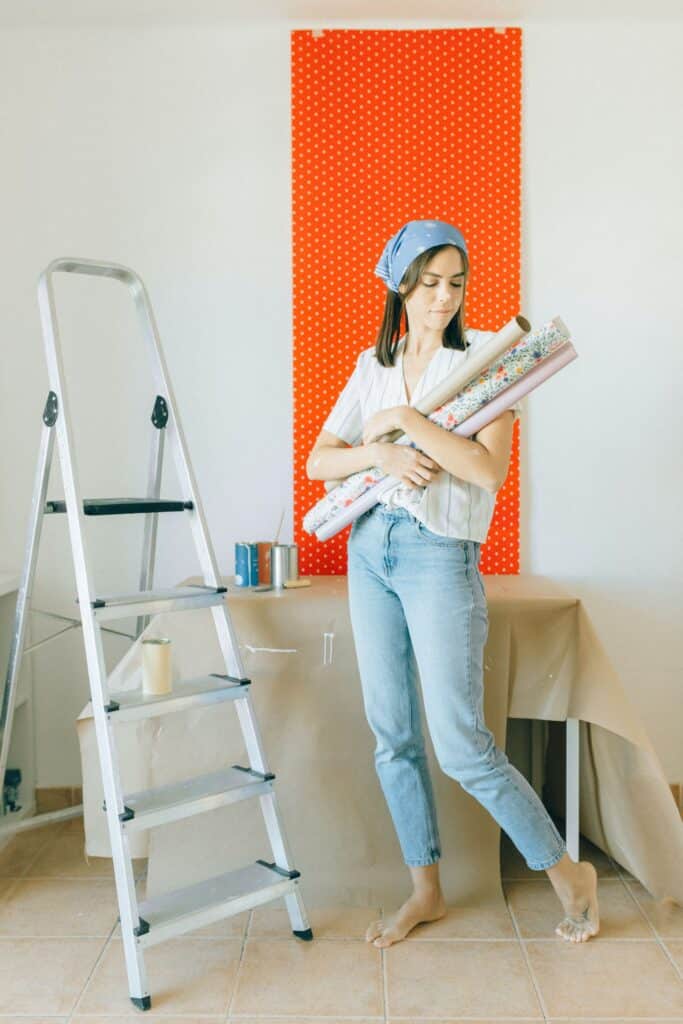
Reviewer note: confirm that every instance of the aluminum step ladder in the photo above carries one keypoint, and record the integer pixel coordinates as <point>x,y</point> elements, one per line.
<point>147,923</point>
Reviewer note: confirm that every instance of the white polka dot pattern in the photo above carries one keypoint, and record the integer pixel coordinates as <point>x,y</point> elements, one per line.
<point>390,126</point>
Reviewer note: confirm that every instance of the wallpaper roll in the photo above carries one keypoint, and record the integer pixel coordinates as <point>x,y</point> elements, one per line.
<point>462,375</point>
<point>517,361</point>
<point>565,354</point>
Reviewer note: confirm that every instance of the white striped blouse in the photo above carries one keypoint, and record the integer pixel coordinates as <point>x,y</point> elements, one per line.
<point>447,505</point>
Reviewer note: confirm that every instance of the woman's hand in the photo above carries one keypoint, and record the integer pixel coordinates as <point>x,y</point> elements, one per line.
<point>409,465</point>
<point>383,422</point>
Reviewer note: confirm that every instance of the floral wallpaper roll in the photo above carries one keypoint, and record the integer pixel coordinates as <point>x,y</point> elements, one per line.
<point>517,361</point>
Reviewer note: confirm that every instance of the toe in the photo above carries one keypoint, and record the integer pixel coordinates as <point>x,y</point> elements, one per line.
<point>373,931</point>
<point>567,930</point>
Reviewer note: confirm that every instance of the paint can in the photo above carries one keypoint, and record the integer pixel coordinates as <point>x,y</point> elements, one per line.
<point>293,562</point>
<point>279,564</point>
<point>246,564</point>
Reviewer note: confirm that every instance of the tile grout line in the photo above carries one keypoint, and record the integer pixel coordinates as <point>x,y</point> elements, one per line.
<point>409,939</point>
<point>364,1017</point>
<point>385,989</point>
<point>413,1019</point>
<point>659,939</point>
<point>525,954</point>
<point>245,937</point>
<point>87,981</point>
<point>15,881</point>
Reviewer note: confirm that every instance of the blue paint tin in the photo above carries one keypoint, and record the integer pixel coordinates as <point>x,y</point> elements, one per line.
<point>246,564</point>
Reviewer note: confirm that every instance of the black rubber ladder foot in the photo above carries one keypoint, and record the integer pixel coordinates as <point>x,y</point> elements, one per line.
<point>142,1002</point>
<point>306,935</point>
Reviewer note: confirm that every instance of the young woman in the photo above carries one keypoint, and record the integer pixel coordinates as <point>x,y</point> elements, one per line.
<point>416,596</point>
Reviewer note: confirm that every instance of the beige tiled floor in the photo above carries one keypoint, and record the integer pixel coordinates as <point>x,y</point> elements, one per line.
<point>61,958</point>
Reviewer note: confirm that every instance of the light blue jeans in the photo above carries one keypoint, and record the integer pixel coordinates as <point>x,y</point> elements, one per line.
<point>417,602</point>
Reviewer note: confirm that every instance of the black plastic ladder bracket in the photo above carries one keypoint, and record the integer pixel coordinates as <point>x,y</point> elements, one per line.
<point>127,813</point>
<point>231,679</point>
<point>279,870</point>
<point>263,776</point>
<point>159,415</point>
<point>51,410</point>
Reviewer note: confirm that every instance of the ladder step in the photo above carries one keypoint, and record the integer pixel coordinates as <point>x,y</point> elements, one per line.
<point>204,903</point>
<point>121,506</point>
<point>193,796</point>
<point>150,602</point>
<point>191,693</point>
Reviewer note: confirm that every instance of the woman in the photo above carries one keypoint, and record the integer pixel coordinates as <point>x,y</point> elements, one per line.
<point>416,596</point>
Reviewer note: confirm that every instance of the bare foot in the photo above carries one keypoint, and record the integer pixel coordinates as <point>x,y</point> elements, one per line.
<point>417,908</point>
<point>579,897</point>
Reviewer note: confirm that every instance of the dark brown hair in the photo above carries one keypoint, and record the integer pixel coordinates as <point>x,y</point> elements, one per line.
<point>391,331</point>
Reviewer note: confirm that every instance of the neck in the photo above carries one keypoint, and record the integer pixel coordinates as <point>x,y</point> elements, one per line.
<point>421,344</point>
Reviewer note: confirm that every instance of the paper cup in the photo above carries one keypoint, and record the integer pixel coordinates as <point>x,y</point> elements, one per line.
<point>156,666</point>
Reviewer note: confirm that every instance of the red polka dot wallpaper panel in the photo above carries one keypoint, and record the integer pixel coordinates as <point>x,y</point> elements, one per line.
<point>390,126</point>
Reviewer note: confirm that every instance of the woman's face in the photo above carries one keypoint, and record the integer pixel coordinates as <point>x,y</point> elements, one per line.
<point>437,297</point>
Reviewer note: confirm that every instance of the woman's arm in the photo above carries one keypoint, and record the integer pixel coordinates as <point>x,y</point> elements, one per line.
<point>483,462</point>
<point>332,459</point>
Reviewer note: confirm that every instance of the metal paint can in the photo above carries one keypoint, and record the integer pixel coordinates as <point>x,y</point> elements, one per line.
<point>279,564</point>
<point>246,564</point>
<point>263,560</point>
<point>293,562</point>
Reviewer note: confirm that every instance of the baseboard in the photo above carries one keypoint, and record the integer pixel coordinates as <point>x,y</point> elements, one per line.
<point>56,798</point>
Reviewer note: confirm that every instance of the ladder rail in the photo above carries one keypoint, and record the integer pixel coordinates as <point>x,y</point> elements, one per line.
<point>257,759</point>
<point>123,872</point>
<point>149,542</point>
<point>47,440</point>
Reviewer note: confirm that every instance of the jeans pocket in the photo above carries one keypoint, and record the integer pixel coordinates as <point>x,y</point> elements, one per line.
<point>437,538</point>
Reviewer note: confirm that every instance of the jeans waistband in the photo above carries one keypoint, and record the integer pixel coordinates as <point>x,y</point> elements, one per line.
<point>388,512</point>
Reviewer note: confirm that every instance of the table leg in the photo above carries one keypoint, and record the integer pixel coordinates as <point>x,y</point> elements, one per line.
<point>538,745</point>
<point>572,792</point>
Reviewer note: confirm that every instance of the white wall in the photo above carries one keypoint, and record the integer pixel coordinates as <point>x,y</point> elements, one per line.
<point>167,148</point>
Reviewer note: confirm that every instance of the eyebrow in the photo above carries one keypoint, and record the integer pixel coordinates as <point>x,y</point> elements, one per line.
<point>432,274</point>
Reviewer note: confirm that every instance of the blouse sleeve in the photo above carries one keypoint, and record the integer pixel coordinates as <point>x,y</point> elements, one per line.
<point>346,420</point>
<point>517,410</point>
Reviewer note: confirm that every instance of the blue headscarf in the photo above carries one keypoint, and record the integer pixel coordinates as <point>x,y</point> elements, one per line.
<point>413,238</point>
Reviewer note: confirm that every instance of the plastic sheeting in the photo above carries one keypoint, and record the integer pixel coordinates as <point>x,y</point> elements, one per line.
<point>543,660</point>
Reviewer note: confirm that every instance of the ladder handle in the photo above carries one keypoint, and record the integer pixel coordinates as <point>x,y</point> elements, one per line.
<point>95,268</point>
